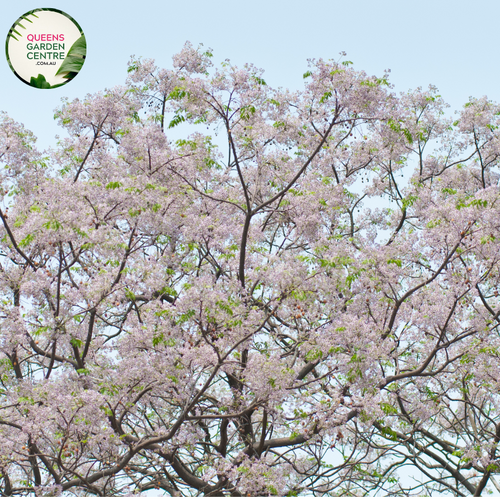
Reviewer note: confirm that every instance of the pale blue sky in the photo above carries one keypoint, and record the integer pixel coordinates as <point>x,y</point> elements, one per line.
<point>451,44</point>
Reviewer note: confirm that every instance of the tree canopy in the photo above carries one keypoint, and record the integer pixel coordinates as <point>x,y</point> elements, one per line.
<point>298,297</point>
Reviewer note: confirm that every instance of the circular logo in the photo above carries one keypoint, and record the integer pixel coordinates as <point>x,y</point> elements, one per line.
<point>46,48</point>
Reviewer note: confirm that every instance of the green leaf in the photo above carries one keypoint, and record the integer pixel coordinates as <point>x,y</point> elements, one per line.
<point>388,433</point>
<point>176,120</point>
<point>388,409</point>
<point>26,241</point>
<point>395,261</point>
<point>18,23</point>
<point>325,97</point>
<point>259,80</point>
<point>70,65</point>
<point>76,343</point>
<point>113,185</point>
<point>79,48</point>
<point>74,60</point>
<point>158,339</point>
<point>39,82</point>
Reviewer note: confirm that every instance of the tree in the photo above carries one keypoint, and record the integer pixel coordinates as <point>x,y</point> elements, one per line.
<point>448,423</point>
<point>309,308</point>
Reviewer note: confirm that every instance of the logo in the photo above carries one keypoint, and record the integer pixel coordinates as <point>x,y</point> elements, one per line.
<point>46,48</point>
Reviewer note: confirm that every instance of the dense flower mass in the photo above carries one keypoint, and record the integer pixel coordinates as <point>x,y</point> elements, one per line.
<point>300,297</point>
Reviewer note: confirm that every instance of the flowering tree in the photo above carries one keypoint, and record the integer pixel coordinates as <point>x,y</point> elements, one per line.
<point>445,410</point>
<point>310,308</point>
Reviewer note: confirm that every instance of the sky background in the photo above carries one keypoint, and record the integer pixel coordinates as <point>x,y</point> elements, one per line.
<point>450,44</point>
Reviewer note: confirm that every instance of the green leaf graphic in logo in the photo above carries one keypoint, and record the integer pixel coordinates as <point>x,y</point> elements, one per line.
<point>39,82</point>
<point>73,62</point>
<point>18,23</point>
